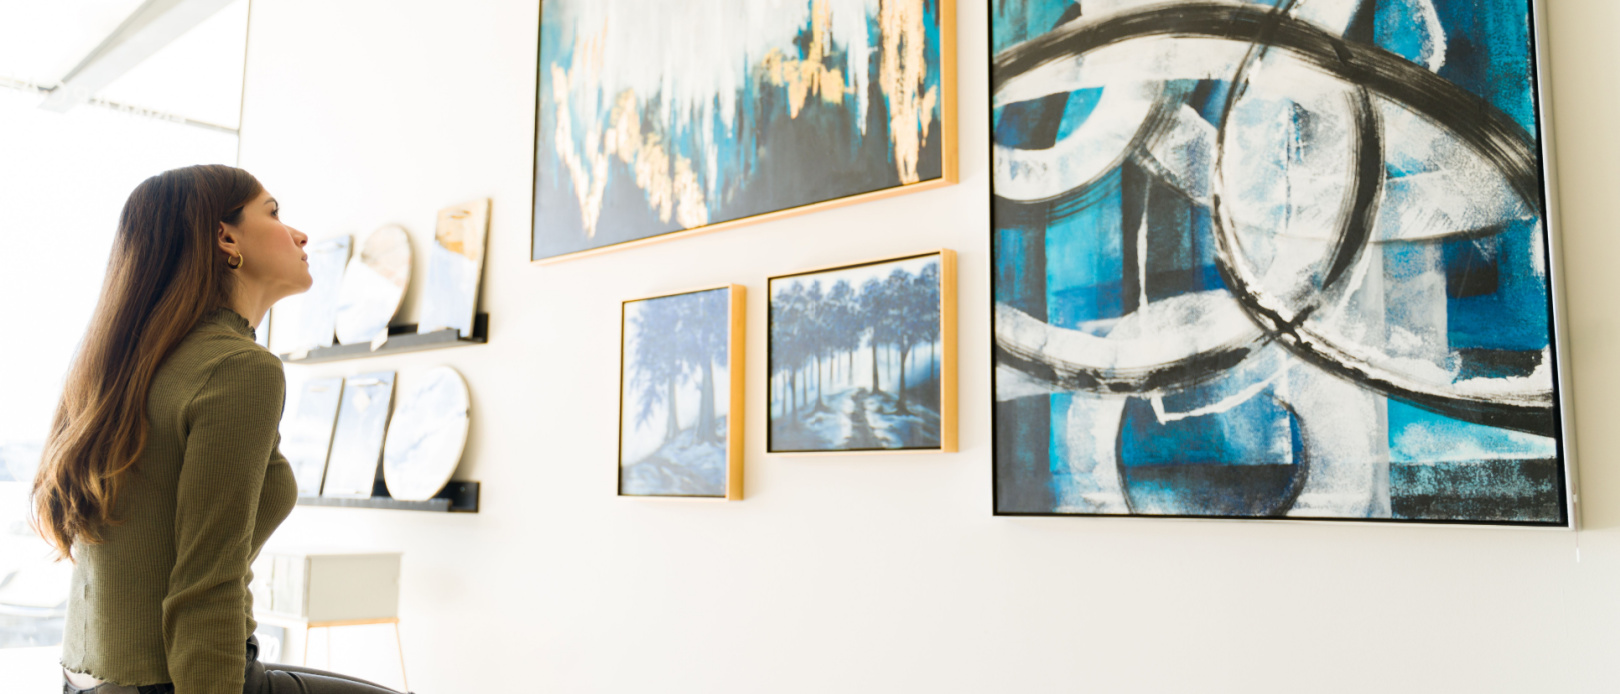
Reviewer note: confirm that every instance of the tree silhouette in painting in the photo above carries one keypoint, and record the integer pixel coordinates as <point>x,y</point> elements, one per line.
<point>927,291</point>
<point>854,357</point>
<point>674,344</point>
<point>874,308</point>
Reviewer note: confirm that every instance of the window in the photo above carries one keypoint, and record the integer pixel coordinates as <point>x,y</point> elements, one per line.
<point>64,176</point>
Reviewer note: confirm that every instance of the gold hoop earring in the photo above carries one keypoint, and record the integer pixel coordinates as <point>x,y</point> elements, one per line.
<point>237,265</point>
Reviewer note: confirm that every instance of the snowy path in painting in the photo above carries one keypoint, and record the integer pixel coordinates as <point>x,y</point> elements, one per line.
<point>857,419</point>
<point>681,467</point>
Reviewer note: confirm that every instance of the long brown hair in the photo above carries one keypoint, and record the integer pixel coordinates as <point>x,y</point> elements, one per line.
<point>165,275</point>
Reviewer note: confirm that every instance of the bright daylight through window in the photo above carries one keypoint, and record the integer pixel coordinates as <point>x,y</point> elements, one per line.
<point>95,96</point>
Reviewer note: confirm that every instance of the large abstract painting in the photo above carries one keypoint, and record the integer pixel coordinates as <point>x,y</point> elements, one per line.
<point>681,395</point>
<point>863,357</point>
<point>1273,259</point>
<point>657,118</point>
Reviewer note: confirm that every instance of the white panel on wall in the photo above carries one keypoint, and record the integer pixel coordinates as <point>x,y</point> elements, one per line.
<point>866,574</point>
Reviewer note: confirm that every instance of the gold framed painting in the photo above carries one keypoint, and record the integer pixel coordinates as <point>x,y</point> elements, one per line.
<point>660,120</point>
<point>862,357</point>
<point>681,395</point>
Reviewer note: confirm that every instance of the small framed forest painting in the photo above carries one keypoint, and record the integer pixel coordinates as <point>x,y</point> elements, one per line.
<point>863,357</point>
<point>657,120</point>
<point>681,395</point>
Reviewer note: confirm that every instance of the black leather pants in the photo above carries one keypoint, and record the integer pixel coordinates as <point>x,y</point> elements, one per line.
<point>261,678</point>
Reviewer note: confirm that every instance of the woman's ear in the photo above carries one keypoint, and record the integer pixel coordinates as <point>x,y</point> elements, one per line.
<point>227,239</point>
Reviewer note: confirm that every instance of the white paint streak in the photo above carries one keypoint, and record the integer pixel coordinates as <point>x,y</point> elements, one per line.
<point>1428,444</point>
<point>1187,153</point>
<point>1539,378</point>
<point>1165,331</point>
<point>1224,405</point>
<point>1331,15</point>
<point>1441,203</point>
<point>1150,59</point>
<point>1434,34</point>
<point>1012,384</point>
<point>1349,460</point>
<point>1091,430</point>
<point>1091,151</point>
<point>1141,261</point>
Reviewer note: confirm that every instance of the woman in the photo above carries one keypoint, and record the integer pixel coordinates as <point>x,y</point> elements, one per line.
<point>161,477</point>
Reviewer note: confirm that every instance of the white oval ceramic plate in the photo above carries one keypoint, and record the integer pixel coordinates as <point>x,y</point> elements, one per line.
<point>373,286</point>
<point>428,433</point>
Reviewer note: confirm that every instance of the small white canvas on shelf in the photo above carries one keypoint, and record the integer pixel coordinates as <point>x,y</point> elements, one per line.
<point>455,266</point>
<point>306,433</point>
<point>362,423</point>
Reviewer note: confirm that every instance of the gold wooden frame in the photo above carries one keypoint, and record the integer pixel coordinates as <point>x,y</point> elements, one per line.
<point>736,364</point>
<point>947,175</point>
<point>948,400</point>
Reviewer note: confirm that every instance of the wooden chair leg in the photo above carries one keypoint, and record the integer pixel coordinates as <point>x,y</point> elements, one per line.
<point>401,646</point>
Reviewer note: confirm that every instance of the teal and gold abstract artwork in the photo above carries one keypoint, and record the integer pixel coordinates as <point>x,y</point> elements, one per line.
<point>657,118</point>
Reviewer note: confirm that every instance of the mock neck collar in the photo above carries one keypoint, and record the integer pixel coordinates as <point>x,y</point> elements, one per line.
<point>233,320</point>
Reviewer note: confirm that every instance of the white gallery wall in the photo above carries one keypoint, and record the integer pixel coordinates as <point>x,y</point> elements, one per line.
<point>884,573</point>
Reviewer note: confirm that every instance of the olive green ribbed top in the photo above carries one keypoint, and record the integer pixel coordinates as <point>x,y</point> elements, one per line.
<point>164,598</point>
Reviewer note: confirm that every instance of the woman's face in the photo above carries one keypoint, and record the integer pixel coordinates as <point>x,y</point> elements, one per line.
<point>273,261</point>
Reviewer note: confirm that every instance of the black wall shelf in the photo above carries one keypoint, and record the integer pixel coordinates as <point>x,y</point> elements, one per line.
<point>401,339</point>
<point>456,497</point>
